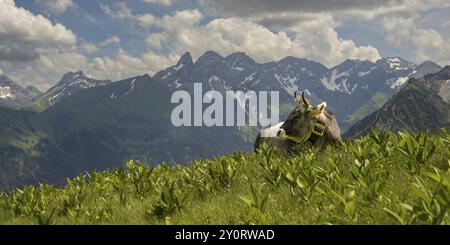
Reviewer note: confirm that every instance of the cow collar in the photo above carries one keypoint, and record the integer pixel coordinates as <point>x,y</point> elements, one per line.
<point>317,132</point>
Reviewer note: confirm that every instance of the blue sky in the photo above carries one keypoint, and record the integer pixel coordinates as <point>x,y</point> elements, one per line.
<point>40,40</point>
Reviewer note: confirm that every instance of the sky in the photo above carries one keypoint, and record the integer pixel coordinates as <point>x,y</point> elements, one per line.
<point>40,40</point>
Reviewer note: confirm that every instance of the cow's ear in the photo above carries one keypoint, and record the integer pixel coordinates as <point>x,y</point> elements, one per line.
<point>322,107</point>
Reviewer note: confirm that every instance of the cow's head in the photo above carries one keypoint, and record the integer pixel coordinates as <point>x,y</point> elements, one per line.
<point>302,119</point>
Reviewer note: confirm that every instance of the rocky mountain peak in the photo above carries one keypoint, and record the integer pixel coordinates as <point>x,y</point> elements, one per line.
<point>186,59</point>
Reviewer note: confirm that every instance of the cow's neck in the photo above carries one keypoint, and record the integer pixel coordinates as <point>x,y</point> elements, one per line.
<point>317,132</point>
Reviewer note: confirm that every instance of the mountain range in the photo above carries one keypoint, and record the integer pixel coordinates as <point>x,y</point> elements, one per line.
<point>14,95</point>
<point>352,89</point>
<point>83,124</point>
<point>423,104</point>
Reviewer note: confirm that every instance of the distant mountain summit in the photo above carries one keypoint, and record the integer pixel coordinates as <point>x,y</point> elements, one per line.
<point>353,89</point>
<point>425,68</point>
<point>421,105</point>
<point>71,83</point>
<point>13,95</point>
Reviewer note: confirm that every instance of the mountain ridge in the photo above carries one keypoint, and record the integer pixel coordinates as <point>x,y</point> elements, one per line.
<point>422,104</point>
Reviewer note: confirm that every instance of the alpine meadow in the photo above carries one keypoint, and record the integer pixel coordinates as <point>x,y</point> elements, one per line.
<point>381,178</point>
<point>179,119</point>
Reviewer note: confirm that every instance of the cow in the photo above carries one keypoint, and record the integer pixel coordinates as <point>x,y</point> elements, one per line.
<point>305,123</point>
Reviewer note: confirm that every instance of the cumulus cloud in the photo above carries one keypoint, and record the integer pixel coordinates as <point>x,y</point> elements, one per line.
<point>266,30</point>
<point>48,68</point>
<point>110,41</point>
<point>19,24</point>
<point>155,40</point>
<point>52,50</point>
<point>446,24</point>
<point>118,11</point>
<point>159,2</point>
<point>424,43</point>
<point>184,31</point>
<point>124,65</point>
<point>13,53</point>
<point>23,34</point>
<point>56,6</point>
<point>88,47</point>
<point>316,39</point>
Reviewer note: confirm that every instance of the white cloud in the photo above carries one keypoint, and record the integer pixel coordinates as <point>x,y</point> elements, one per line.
<point>56,6</point>
<point>19,24</point>
<point>1,72</point>
<point>318,40</point>
<point>12,52</point>
<point>179,18</point>
<point>314,39</point>
<point>159,2</point>
<point>120,11</point>
<point>155,40</point>
<point>88,47</point>
<point>123,65</point>
<point>423,43</point>
<point>48,68</point>
<point>110,41</point>
<point>446,24</point>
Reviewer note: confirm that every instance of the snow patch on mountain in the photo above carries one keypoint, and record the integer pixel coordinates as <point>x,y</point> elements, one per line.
<point>177,83</point>
<point>166,76</point>
<point>249,77</point>
<point>365,73</point>
<point>5,93</point>
<point>399,82</point>
<point>346,88</point>
<point>397,64</point>
<point>52,100</point>
<point>132,84</point>
<point>179,66</point>
<point>288,83</point>
<point>330,83</point>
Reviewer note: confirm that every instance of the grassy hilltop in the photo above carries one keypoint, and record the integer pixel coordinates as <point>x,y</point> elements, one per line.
<point>378,179</point>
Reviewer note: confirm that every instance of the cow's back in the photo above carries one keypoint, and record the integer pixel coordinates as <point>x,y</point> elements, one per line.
<point>269,136</point>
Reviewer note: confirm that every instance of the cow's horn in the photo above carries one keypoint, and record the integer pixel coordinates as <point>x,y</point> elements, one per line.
<point>306,102</point>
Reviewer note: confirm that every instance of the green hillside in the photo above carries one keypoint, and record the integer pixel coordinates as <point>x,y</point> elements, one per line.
<point>416,107</point>
<point>378,179</point>
<point>376,102</point>
<point>421,105</point>
<point>101,128</point>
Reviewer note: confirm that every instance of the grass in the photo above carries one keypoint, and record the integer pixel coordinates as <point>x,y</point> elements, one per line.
<point>381,178</point>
